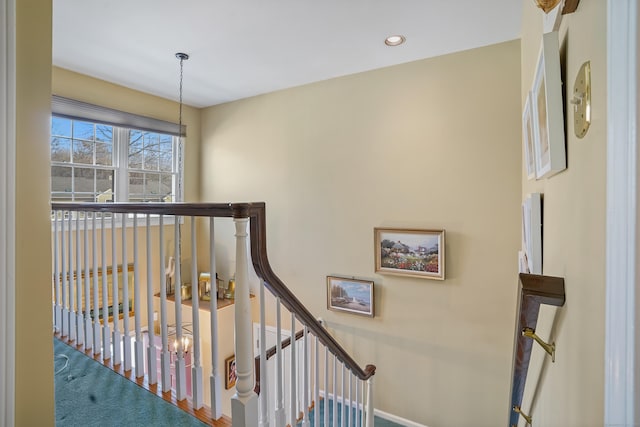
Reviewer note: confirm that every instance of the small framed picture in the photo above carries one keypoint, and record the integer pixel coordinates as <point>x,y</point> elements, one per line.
<point>230,372</point>
<point>350,295</point>
<point>528,138</point>
<point>407,252</point>
<point>547,109</point>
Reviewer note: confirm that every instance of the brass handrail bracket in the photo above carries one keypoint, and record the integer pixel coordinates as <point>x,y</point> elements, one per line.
<point>549,348</point>
<point>534,290</point>
<point>526,417</point>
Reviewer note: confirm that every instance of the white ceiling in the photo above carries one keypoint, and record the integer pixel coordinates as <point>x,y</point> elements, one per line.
<point>241,48</point>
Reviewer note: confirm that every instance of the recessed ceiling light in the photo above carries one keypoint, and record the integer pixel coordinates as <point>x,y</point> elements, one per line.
<point>394,40</point>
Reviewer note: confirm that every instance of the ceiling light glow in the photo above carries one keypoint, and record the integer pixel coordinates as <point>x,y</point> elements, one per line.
<point>394,40</point>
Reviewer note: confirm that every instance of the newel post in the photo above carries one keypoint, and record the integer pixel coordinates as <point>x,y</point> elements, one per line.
<point>244,404</point>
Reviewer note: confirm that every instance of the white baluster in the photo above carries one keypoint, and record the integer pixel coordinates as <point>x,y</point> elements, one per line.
<point>181,381</point>
<point>88,337</point>
<point>305,377</point>
<point>215,380</point>
<point>326,386</point>
<point>280,415</point>
<point>293,415</point>
<point>358,402</point>
<point>56,275</point>
<point>106,331</point>
<point>369,418</point>
<point>196,368</point>
<point>152,366</point>
<point>335,390</point>
<point>72,274</point>
<point>115,301</point>
<point>244,404</point>
<point>126,344</point>
<point>65,278</point>
<point>264,388</point>
<point>316,385</point>
<point>96,302</point>
<point>139,347</point>
<point>350,402</point>
<point>165,357</point>
<point>343,420</point>
<point>79,316</point>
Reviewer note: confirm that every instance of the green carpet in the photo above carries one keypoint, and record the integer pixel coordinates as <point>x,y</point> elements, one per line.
<point>90,394</point>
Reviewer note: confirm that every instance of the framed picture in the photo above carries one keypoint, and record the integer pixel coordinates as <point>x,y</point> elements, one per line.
<point>547,108</point>
<point>230,372</point>
<point>528,138</point>
<point>406,252</point>
<point>350,295</point>
<point>531,254</point>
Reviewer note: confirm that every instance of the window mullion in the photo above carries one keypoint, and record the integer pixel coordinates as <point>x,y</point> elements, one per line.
<point>121,145</point>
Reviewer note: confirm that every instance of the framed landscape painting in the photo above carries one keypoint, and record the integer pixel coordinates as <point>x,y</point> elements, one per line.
<point>350,295</point>
<point>407,252</point>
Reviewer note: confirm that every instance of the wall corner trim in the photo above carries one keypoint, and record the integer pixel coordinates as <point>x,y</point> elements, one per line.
<point>622,334</point>
<point>7,210</point>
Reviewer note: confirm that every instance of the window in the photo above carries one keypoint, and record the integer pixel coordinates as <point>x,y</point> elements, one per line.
<point>92,161</point>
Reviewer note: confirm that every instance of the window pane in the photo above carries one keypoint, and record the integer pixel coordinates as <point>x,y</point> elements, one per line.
<point>82,130</point>
<point>104,154</point>
<point>135,149</point>
<point>151,160</point>
<point>82,152</point>
<point>152,184</point>
<point>83,180</point>
<point>104,185</point>
<point>104,133</point>
<point>136,183</point>
<point>166,162</point>
<point>60,149</point>
<point>61,179</point>
<point>60,127</point>
<point>166,187</point>
<point>152,140</point>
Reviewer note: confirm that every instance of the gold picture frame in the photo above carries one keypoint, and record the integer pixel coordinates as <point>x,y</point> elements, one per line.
<point>230,375</point>
<point>410,252</point>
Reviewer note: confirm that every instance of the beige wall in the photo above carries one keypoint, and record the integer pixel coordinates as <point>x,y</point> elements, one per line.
<point>34,351</point>
<point>428,144</point>
<point>571,391</point>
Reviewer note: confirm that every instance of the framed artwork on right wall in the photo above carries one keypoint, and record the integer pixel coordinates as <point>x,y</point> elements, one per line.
<point>547,109</point>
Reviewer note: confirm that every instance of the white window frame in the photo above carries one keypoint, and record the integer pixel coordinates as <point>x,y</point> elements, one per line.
<point>123,122</point>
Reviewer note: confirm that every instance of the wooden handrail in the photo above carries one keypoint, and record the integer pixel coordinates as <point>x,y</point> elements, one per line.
<point>256,212</point>
<point>533,290</point>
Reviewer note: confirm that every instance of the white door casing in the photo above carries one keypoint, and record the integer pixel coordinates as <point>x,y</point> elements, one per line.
<point>7,212</point>
<point>622,328</point>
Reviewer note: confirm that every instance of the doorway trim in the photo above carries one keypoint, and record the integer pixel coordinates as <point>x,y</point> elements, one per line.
<point>7,210</point>
<point>622,327</point>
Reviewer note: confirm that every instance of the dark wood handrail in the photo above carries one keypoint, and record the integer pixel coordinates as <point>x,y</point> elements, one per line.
<point>533,291</point>
<point>256,212</point>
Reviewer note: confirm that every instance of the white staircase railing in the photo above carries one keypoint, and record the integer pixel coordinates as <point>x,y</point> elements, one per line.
<point>102,280</point>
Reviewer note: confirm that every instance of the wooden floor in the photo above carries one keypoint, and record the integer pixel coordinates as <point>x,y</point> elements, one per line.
<point>203,414</point>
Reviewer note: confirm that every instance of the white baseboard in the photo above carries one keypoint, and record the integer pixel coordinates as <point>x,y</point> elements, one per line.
<point>396,419</point>
<point>378,413</point>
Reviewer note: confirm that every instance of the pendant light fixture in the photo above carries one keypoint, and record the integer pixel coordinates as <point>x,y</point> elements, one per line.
<point>182,57</point>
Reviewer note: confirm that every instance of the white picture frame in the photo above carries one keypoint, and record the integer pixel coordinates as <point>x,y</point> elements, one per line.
<point>530,258</point>
<point>547,109</point>
<point>551,21</point>
<point>528,138</point>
